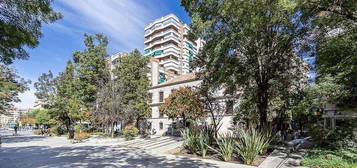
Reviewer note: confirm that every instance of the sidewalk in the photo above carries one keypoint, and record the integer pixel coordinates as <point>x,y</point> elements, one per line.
<point>281,158</point>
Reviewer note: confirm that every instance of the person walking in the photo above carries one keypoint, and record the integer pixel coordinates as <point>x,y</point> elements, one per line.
<point>15,129</point>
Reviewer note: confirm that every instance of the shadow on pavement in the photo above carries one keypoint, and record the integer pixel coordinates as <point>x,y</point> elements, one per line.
<point>17,139</point>
<point>89,156</point>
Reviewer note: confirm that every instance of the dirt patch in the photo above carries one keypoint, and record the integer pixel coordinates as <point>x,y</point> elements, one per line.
<point>183,152</point>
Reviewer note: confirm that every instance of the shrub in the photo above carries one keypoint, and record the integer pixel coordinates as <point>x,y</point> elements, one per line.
<point>80,128</point>
<point>129,132</point>
<point>203,142</point>
<point>57,130</point>
<point>80,136</point>
<point>98,133</point>
<point>225,147</point>
<point>250,143</point>
<point>37,132</point>
<point>344,136</point>
<point>191,139</point>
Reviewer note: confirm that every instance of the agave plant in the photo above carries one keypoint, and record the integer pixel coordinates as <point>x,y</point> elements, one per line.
<point>225,147</point>
<point>191,139</point>
<point>250,143</point>
<point>203,142</point>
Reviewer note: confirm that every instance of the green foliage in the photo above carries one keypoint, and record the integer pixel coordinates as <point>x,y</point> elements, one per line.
<point>91,66</point>
<point>317,95</point>
<point>129,132</point>
<point>37,132</point>
<point>225,147</point>
<point>335,32</point>
<point>197,140</point>
<point>10,87</point>
<point>131,75</point>
<point>203,142</point>
<point>183,103</point>
<point>191,139</point>
<point>251,143</point>
<point>66,105</point>
<point>57,130</point>
<point>344,136</point>
<point>322,158</point>
<point>43,116</point>
<point>45,87</point>
<point>249,45</point>
<point>20,26</point>
<point>80,128</point>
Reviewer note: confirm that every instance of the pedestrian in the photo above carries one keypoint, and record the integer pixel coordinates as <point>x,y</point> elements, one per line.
<point>0,141</point>
<point>15,128</point>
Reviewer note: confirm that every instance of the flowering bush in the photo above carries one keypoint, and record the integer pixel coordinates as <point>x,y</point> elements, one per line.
<point>80,136</point>
<point>129,132</point>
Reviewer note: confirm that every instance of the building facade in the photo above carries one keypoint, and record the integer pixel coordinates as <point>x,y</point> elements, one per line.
<point>159,92</point>
<point>113,62</point>
<point>12,115</point>
<point>171,53</point>
<point>166,39</point>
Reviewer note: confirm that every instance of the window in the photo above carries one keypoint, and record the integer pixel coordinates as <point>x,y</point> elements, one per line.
<point>229,106</point>
<point>161,96</point>
<point>161,125</point>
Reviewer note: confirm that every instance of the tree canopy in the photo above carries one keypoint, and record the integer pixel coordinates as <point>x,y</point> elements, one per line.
<point>10,87</point>
<point>91,66</point>
<point>20,26</point>
<point>334,28</point>
<point>131,76</point>
<point>249,46</point>
<point>183,103</point>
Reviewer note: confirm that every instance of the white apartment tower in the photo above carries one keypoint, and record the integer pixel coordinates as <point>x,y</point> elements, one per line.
<point>166,40</point>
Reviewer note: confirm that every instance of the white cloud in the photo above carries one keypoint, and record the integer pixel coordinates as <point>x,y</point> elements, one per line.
<point>28,99</point>
<point>122,21</point>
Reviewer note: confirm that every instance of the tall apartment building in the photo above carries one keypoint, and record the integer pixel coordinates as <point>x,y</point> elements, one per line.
<point>166,39</point>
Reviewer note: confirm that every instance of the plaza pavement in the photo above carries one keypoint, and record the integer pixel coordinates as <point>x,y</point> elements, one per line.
<point>31,151</point>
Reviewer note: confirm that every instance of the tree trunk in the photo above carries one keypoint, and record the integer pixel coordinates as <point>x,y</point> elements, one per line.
<point>112,129</point>
<point>68,124</point>
<point>138,124</point>
<point>184,120</point>
<point>263,104</point>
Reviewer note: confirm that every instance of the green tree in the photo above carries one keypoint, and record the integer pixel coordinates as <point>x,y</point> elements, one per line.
<point>316,95</point>
<point>68,106</point>
<point>183,103</point>
<point>131,76</point>
<point>250,45</point>
<point>91,66</point>
<point>43,117</point>
<point>45,87</point>
<point>20,26</point>
<point>334,25</point>
<point>10,87</point>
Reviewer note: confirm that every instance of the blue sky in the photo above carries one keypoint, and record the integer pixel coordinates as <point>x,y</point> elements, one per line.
<point>122,21</point>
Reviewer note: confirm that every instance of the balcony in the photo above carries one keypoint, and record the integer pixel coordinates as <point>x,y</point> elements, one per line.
<point>160,34</point>
<point>157,52</point>
<point>164,40</point>
<point>170,61</point>
<point>161,26</point>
